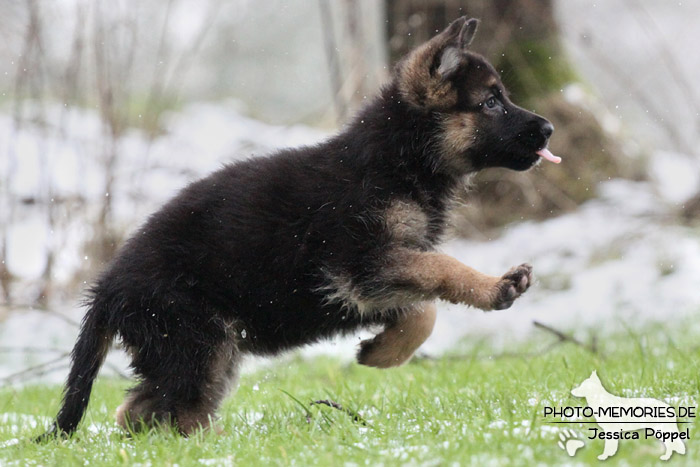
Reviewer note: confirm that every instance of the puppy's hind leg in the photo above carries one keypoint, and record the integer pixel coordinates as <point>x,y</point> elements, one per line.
<point>400,339</point>
<point>221,376</point>
<point>142,408</point>
<point>185,393</point>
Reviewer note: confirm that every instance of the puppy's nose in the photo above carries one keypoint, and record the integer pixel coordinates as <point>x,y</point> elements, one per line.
<point>547,129</point>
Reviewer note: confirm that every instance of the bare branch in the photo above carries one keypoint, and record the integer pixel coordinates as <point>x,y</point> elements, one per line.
<point>37,370</point>
<point>332,59</point>
<point>565,337</point>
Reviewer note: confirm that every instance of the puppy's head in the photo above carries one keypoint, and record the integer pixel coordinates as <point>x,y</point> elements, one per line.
<point>479,126</point>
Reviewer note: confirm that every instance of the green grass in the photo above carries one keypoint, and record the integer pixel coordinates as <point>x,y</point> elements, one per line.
<point>478,407</point>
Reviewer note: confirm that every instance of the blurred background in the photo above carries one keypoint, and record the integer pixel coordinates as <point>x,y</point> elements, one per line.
<point>107,108</point>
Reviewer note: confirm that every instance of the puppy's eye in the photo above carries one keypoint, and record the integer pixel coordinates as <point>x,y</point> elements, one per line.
<point>491,102</point>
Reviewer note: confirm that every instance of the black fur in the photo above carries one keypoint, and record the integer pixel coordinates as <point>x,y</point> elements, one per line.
<point>242,257</point>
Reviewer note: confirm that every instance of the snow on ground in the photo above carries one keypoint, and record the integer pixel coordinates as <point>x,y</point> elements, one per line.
<point>619,258</point>
<point>64,161</point>
<point>615,260</point>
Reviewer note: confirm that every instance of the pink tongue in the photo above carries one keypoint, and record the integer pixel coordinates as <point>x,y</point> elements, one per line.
<point>547,154</point>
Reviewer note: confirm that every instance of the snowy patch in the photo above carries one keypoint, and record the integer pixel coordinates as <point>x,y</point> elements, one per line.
<point>221,461</point>
<point>616,258</point>
<point>521,428</point>
<point>61,166</point>
<point>677,176</point>
<point>14,422</point>
<point>9,442</point>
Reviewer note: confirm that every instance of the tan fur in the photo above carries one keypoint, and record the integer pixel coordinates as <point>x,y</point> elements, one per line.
<point>341,289</point>
<point>137,409</point>
<point>194,420</point>
<point>459,134</point>
<point>223,374</point>
<point>441,276</point>
<point>427,275</point>
<point>407,222</point>
<point>421,89</point>
<point>398,342</point>
<point>123,411</point>
<point>408,225</point>
<point>416,83</point>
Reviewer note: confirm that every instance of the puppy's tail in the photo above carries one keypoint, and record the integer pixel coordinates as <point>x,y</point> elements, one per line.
<point>86,359</point>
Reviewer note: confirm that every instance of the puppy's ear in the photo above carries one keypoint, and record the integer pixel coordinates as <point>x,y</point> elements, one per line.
<point>450,59</point>
<point>453,30</point>
<point>466,34</point>
<point>422,74</point>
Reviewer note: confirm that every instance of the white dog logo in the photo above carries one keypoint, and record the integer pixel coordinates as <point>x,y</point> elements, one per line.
<point>619,416</point>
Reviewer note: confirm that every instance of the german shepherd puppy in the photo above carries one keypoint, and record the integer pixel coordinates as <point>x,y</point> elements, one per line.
<point>280,251</point>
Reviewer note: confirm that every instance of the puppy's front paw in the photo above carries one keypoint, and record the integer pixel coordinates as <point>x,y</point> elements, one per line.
<point>513,284</point>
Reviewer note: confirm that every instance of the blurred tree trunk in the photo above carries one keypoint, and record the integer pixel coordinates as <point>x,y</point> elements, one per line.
<point>521,39</point>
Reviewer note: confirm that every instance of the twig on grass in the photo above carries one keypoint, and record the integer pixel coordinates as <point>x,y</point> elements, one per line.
<point>355,416</point>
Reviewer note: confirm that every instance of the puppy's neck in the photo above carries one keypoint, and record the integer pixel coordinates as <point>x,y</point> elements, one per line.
<point>391,135</point>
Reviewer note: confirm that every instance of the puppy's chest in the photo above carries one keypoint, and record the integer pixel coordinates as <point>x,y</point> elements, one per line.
<point>411,225</point>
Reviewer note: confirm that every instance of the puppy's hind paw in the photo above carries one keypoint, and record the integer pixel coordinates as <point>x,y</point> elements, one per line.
<point>370,354</point>
<point>376,353</point>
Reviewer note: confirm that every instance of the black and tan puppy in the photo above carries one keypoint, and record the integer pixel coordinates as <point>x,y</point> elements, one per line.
<point>284,250</point>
